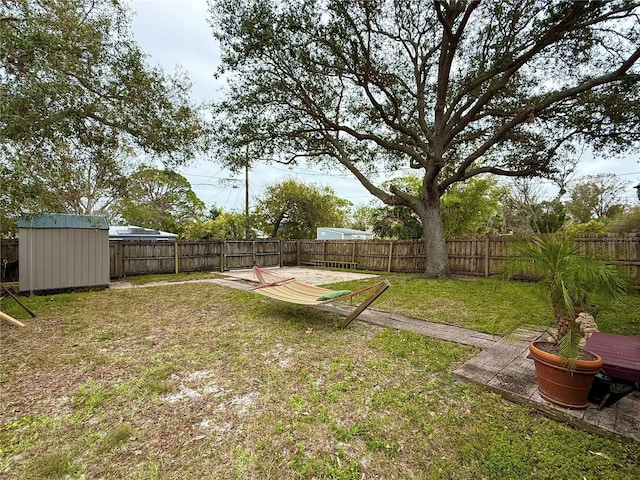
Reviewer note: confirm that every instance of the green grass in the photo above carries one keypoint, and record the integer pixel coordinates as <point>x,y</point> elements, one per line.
<point>170,277</point>
<point>485,304</point>
<point>200,381</point>
<point>482,304</point>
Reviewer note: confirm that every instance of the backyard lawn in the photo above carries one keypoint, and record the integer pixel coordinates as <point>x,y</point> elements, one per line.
<point>486,305</point>
<point>197,381</point>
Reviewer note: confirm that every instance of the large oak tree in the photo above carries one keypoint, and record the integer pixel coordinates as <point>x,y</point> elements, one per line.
<point>450,88</point>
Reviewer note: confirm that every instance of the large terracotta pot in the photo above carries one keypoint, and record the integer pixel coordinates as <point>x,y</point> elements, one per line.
<point>559,384</point>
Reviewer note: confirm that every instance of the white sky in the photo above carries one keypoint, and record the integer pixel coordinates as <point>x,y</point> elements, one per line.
<point>176,34</point>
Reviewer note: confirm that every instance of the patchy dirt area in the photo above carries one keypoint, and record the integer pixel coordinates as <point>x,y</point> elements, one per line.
<point>201,381</point>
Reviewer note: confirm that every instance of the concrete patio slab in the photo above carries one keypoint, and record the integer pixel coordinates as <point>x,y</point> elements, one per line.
<point>514,378</point>
<point>310,275</point>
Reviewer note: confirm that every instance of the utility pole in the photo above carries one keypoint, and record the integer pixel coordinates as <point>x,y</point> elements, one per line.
<point>246,191</point>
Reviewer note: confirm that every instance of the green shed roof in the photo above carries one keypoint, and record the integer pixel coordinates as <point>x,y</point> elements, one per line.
<point>63,220</point>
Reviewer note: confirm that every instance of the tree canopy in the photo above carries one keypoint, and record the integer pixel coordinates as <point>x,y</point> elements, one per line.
<point>398,221</point>
<point>64,180</point>
<point>450,88</point>
<point>220,226</point>
<point>597,196</point>
<point>473,207</point>
<point>79,100</point>
<point>470,208</point>
<point>628,221</point>
<point>293,210</point>
<point>160,199</point>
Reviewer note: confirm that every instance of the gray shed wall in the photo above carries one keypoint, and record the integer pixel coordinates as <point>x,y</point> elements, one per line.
<point>329,235</point>
<point>325,233</point>
<point>63,258</point>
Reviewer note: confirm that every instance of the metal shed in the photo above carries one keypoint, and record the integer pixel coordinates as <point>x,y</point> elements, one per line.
<point>334,233</point>
<point>60,252</point>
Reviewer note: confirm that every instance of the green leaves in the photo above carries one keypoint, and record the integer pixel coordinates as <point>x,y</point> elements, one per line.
<point>452,90</point>
<point>567,277</point>
<point>76,91</point>
<point>160,199</point>
<point>224,226</point>
<point>72,67</point>
<point>470,208</point>
<point>294,210</point>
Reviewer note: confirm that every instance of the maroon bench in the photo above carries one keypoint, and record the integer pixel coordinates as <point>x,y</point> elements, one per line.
<point>620,354</point>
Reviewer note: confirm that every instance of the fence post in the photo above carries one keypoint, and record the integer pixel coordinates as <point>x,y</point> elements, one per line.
<point>175,255</point>
<point>253,252</point>
<point>222,244</point>
<point>486,255</point>
<point>390,256</point>
<point>118,271</point>
<point>297,253</point>
<point>123,263</point>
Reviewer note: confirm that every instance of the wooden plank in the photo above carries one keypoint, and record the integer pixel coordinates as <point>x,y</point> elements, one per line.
<point>487,244</point>
<point>365,303</point>
<point>176,259</point>
<point>10,319</point>
<point>620,354</point>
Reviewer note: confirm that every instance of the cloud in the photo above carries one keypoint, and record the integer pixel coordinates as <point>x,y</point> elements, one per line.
<point>176,33</point>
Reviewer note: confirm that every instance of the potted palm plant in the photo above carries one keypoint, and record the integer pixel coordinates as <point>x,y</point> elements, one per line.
<point>571,281</point>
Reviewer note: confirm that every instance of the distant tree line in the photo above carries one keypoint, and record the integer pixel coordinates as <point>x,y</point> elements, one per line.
<point>593,204</point>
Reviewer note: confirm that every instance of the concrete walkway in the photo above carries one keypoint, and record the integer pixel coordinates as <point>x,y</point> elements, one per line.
<point>503,366</point>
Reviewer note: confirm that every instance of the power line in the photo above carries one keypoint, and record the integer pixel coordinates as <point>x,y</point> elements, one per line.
<point>221,182</point>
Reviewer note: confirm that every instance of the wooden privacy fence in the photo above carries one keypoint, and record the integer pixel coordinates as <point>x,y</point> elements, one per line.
<point>129,257</point>
<point>479,256</point>
<point>476,256</point>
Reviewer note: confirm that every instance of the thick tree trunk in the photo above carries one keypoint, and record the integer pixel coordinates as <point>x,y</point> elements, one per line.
<point>435,242</point>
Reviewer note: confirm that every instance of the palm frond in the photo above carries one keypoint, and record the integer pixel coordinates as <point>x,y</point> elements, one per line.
<point>567,278</point>
<point>569,348</point>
